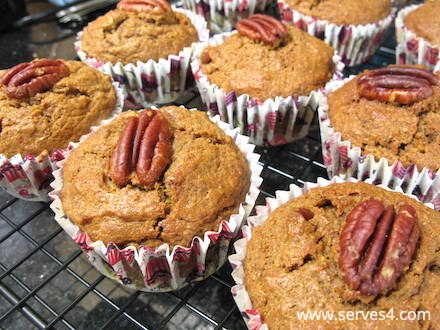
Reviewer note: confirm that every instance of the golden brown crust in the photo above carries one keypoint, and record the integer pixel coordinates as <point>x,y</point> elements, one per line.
<point>247,67</point>
<point>408,133</point>
<point>205,182</point>
<point>128,37</point>
<point>424,22</point>
<point>343,12</point>
<point>51,119</point>
<point>292,264</point>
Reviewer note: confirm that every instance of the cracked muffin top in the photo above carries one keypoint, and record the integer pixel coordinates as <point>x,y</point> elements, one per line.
<point>343,12</point>
<point>203,180</point>
<point>300,260</point>
<point>40,118</point>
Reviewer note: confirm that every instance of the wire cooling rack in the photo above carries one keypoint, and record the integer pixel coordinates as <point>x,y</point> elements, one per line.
<point>46,282</point>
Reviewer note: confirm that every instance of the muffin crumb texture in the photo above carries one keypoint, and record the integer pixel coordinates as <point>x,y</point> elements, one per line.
<point>128,37</point>
<point>292,266</point>
<point>263,71</point>
<point>424,21</point>
<point>50,119</point>
<point>343,12</point>
<point>407,133</point>
<point>206,180</point>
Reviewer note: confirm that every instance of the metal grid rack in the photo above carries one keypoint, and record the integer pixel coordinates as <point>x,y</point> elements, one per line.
<point>46,282</point>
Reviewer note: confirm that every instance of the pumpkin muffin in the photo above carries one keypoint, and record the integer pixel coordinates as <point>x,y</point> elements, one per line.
<point>168,180</point>
<point>383,125</point>
<point>333,249</point>
<point>417,36</point>
<point>205,168</point>
<point>353,28</point>
<point>44,105</point>
<point>267,86</point>
<point>146,46</point>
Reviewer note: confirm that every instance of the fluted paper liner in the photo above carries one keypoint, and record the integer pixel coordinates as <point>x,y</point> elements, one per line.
<point>345,160</point>
<point>28,177</point>
<point>223,15</point>
<point>274,121</point>
<point>161,269</point>
<point>152,82</point>
<point>410,48</point>
<point>354,43</point>
<point>251,316</point>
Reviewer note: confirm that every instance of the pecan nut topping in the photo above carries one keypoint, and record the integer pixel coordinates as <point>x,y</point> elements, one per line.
<point>147,6</point>
<point>264,28</point>
<point>397,83</point>
<point>27,79</point>
<point>376,245</point>
<point>143,150</point>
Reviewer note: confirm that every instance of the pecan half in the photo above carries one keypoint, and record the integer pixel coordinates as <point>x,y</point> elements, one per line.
<point>144,148</point>
<point>147,6</point>
<point>260,27</point>
<point>397,83</point>
<point>27,79</point>
<point>376,245</point>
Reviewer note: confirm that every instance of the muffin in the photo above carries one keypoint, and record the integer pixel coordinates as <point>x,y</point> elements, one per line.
<point>383,124</point>
<point>45,104</point>
<point>267,84</point>
<point>417,35</point>
<point>353,28</point>
<point>366,256</point>
<point>146,46</point>
<point>222,16</point>
<point>166,184</point>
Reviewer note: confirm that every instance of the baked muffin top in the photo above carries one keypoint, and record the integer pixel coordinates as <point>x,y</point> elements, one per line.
<point>424,21</point>
<point>204,181</point>
<point>130,36</point>
<point>56,115</point>
<point>343,12</point>
<point>409,133</point>
<point>292,264</point>
<point>297,65</point>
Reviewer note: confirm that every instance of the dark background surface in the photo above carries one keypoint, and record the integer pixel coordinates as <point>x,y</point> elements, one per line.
<point>46,281</point>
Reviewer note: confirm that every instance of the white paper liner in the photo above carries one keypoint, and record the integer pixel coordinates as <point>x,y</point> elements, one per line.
<point>223,15</point>
<point>411,49</point>
<point>251,316</point>
<point>151,83</point>
<point>344,160</point>
<point>161,269</point>
<point>354,43</point>
<point>24,177</point>
<point>275,121</point>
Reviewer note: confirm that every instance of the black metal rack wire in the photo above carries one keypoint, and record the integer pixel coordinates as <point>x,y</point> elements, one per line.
<point>46,282</point>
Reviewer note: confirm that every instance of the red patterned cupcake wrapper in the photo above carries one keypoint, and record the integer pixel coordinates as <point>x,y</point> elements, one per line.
<point>355,44</point>
<point>345,160</point>
<point>26,178</point>
<point>410,48</point>
<point>161,269</point>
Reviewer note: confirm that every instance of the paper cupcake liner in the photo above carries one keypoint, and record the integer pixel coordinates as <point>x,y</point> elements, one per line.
<point>151,83</point>
<point>354,43</point>
<point>162,269</point>
<point>222,16</point>
<point>28,177</point>
<point>344,160</point>
<point>273,122</point>
<point>251,316</point>
<point>411,49</point>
